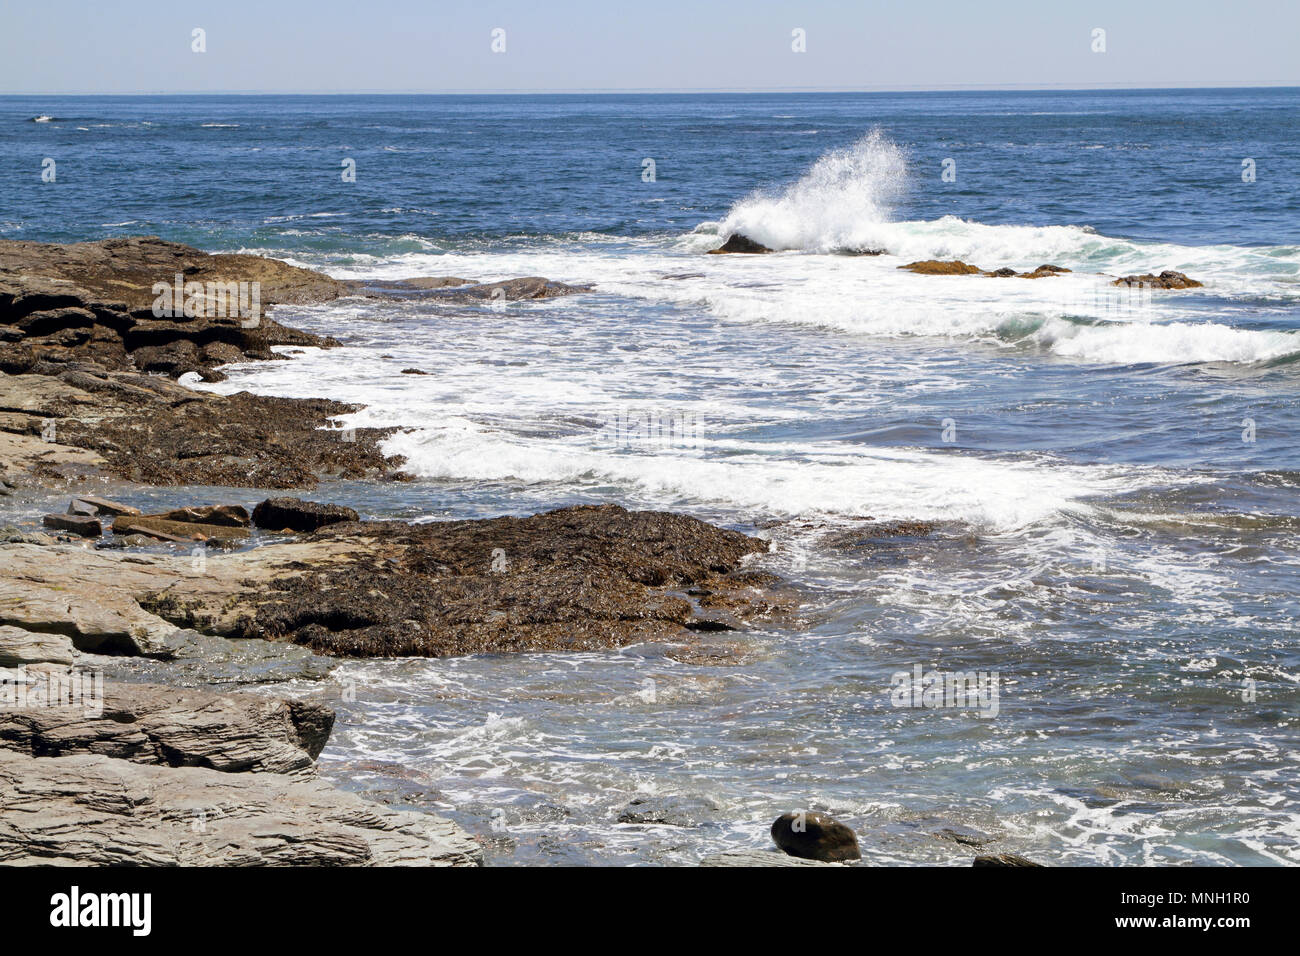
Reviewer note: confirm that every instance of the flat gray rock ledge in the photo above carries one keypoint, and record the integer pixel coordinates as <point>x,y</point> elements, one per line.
<point>90,810</point>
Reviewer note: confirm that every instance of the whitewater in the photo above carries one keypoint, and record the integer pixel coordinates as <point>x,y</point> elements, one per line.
<point>1105,477</point>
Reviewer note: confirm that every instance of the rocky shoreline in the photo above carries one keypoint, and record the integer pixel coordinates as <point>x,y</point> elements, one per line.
<point>114,747</point>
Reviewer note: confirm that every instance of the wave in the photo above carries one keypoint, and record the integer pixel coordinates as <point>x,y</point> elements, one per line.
<point>885,483</point>
<point>827,209</point>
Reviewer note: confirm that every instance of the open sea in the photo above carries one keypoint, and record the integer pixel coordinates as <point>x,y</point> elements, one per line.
<point>1114,474</point>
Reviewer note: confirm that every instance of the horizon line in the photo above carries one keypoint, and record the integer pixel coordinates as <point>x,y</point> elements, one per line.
<point>617,91</point>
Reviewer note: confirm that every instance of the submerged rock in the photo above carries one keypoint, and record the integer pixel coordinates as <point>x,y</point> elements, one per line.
<point>1003,859</point>
<point>197,659</point>
<point>758,858</point>
<point>669,810</point>
<point>738,243</point>
<point>815,836</point>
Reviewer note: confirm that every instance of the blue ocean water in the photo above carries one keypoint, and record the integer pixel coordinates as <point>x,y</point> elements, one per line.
<point>1113,473</point>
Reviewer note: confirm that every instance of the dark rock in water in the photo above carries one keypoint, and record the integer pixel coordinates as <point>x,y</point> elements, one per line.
<point>1166,280</point>
<point>738,243</point>
<point>84,525</point>
<point>422,282</point>
<point>1003,859</point>
<point>1002,273</point>
<point>966,836</point>
<point>231,516</point>
<point>413,371</point>
<point>941,267</point>
<point>673,811</point>
<point>508,290</point>
<point>815,836</point>
<point>298,515</point>
<point>81,509</point>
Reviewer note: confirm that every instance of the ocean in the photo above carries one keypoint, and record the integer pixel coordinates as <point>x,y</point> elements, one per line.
<point>1113,474</point>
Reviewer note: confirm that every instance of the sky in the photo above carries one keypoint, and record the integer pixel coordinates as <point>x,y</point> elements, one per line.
<point>340,46</point>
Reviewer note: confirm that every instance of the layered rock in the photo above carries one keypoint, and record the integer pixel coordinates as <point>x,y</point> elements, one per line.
<point>148,723</point>
<point>95,302</point>
<point>92,810</point>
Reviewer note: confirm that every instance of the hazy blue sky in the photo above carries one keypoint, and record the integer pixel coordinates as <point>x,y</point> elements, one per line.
<point>444,45</point>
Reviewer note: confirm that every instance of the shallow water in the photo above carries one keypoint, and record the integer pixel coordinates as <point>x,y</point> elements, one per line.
<point>1113,474</point>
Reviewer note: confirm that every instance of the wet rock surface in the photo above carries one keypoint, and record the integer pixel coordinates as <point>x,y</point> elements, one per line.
<point>670,810</point>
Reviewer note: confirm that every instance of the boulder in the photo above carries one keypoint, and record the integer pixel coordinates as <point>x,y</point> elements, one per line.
<point>811,835</point>
<point>277,514</point>
<point>742,244</point>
